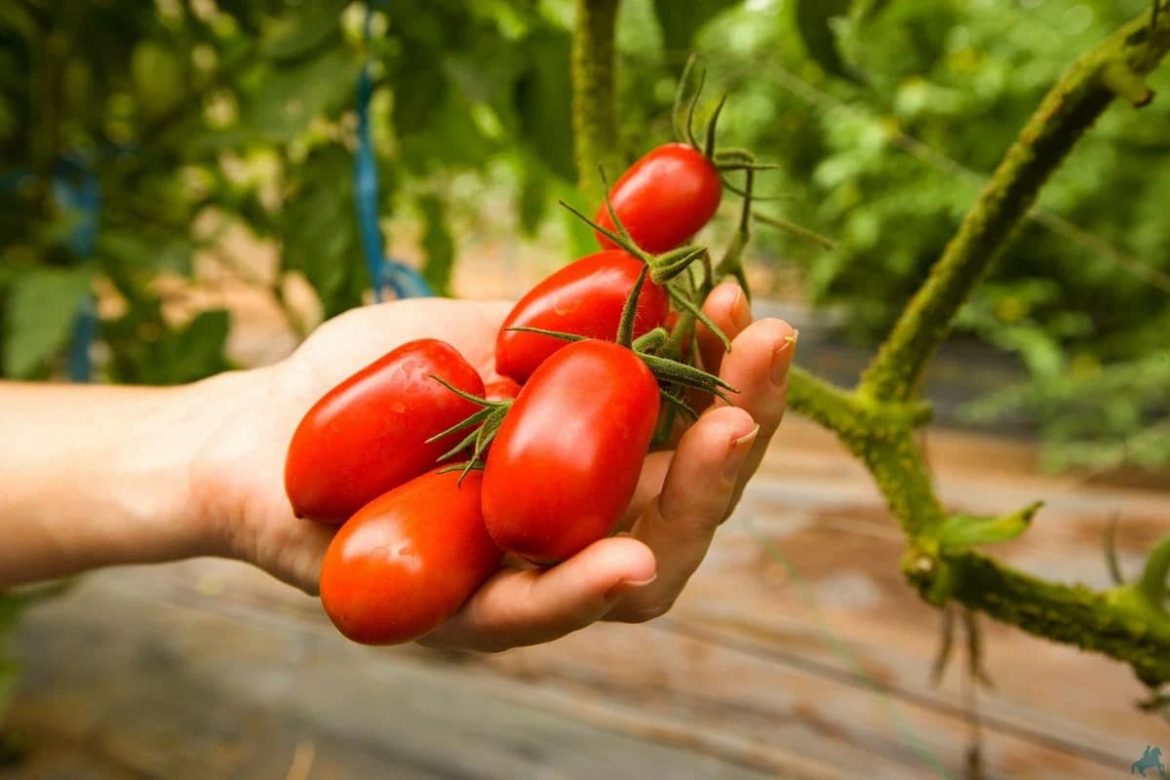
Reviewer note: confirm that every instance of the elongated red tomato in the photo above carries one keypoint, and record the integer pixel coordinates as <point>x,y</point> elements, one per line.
<point>408,560</point>
<point>502,389</point>
<point>368,434</point>
<point>564,465</point>
<point>584,298</point>
<point>664,198</point>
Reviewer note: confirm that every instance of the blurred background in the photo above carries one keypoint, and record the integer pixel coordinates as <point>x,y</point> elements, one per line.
<point>177,197</point>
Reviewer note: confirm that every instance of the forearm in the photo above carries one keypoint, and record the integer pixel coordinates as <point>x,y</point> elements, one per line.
<point>92,476</point>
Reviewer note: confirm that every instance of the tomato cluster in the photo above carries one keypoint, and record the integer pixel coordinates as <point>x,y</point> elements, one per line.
<point>548,455</point>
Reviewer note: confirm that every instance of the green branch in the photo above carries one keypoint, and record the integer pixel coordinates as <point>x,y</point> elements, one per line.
<point>881,435</point>
<point>876,422</point>
<point>1109,622</point>
<point>1114,67</point>
<point>1127,623</point>
<point>595,126</point>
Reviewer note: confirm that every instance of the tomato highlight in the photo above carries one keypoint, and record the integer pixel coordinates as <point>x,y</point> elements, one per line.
<point>566,460</point>
<point>369,434</point>
<point>408,560</point>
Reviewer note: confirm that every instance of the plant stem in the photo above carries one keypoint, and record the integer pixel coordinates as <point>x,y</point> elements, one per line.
<point>1121,623</point>
<point>1105,622</point>
<point>1113,67</point>
<point>595,127</point>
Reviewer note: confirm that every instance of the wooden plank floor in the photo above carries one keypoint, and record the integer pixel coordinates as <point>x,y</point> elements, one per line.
<point>796,652</point>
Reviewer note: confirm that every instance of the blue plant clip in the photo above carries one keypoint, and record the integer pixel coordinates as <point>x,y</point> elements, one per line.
<point>404,281</point>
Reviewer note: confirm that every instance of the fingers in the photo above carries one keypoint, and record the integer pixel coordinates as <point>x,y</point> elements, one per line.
<point>679,524</point>
<point>758,366</point>
<point>517,608</point>
<point>727,306</point>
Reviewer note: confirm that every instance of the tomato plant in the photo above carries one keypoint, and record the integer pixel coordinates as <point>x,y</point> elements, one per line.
<point>584,298</point>
<point>369,433</point>
<point>408,560</point>
<point>564,463</point>
<point>664,198</point>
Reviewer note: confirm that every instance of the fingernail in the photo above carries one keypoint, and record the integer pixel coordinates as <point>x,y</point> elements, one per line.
<point>741,313</point>
<point>782,357</point>
<point>627,586</point>
<point>737,453</point>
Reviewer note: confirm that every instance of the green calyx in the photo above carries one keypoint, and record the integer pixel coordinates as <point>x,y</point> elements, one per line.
<point>667,370</point>
<point>482,427</point>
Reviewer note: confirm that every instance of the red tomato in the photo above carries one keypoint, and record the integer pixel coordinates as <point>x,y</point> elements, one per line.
<point>408,560</point>
<point>664,198</point>
<point>368,434</point>
<point>564,465</point>
<point>501,389</point>
<point>585,298</point>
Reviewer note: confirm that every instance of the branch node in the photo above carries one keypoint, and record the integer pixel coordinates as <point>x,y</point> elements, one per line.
<point>1121,79</point>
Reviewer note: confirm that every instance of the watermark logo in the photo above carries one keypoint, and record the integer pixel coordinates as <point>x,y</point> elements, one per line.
<point>1151,759</point>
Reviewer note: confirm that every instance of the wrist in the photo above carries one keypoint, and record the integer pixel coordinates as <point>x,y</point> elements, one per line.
<point>97,475</point>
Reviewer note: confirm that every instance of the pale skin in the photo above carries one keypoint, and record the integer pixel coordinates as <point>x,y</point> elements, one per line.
<point>101,476</point>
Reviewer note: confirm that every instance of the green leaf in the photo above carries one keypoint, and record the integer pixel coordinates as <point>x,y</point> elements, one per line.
<point>151,252</point>
<point>319,230</point>
<point>197,351</point>
<point>579,236</point>
<point>543,101</point>
<point>159,78</point>
<point>438,245</point>
<point>533,198</point>
<point>302,29</point>
<point>41,306</point>
<point>680,21</point>
<point>867,10</point>
<point>419,86</point>
<point>962,532</point>
<point>814,25</point>
<point>295,93</point>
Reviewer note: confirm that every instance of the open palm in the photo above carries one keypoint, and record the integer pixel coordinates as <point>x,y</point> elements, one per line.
<point>682,496</point>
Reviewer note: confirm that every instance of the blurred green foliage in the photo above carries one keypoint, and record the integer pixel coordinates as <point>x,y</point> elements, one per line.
<point>884,116</point>
<point>887,116</point>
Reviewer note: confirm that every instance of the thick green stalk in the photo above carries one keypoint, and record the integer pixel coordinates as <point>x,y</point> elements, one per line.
<point>881,435</point>
<point>1110,622</point>
<point>1122,623</point>
<point>1114,67</point>
<point>595,126</point>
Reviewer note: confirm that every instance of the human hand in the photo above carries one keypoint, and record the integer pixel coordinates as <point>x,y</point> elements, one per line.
<point>683,494</point>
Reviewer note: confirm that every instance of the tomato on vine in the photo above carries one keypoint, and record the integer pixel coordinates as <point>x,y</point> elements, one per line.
<point>408,560</point>
<point>584,298</point>
<point>564,464</point>
<point>664,198</point>
<point>370,433</point>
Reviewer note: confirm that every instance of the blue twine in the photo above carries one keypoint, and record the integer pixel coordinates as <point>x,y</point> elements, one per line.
<point>75,188</point>
<point>384,271</point>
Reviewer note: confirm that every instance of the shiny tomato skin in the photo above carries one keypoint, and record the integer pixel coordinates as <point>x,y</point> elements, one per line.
<point>564,465</point>
<point>585,298</point>
<point>368,434</point>
<point>502,389</point>
<point>664,198</point>
<point>408,560</point>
